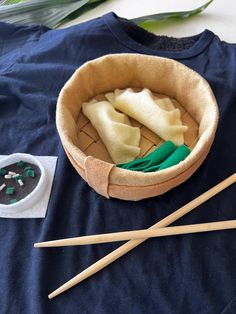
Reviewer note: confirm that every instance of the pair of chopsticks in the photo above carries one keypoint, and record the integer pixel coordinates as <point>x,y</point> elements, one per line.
<point>139,236</point>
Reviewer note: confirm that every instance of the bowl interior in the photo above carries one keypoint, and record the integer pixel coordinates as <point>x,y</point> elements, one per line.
<point>164,77</point>
<point>90,143</point>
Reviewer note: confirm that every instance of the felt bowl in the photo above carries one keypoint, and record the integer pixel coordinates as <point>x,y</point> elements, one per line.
<point>32,197</point>
<point>165,77</point>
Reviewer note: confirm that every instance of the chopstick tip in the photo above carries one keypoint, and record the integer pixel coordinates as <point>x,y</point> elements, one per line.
<point>54,293</point>
<point>50,296</point>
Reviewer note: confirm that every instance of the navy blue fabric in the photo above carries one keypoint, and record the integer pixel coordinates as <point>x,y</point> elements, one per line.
<point>178,274</point>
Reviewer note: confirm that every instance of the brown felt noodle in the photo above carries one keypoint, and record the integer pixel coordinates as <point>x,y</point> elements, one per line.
<point>162,76</point>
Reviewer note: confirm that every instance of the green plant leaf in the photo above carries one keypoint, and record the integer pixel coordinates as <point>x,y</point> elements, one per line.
<point>47,12</point>
<point>10,1</point>
<point>89,6</point>
<point>52,13</point>
<point>147,20</point>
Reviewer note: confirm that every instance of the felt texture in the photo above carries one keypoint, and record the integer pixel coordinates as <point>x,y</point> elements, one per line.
<point>153,159</point>
<point>165,156</point>
<point>142,107</point>
<point>20,192</point>
<point>136,70</point>
<point>171,275</point>
<point>121,139</point>
<point>37,208</point>
<point>164,103</point>
<point>98,180</point>
<point>178,155</point>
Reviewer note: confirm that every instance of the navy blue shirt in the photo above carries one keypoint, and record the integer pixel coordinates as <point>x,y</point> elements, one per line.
<point>177,274</point>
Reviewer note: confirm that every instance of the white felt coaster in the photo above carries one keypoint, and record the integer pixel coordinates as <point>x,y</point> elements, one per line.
<point>39,208</point>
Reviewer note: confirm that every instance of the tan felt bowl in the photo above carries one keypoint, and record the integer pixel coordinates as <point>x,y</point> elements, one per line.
<point>165,77</point>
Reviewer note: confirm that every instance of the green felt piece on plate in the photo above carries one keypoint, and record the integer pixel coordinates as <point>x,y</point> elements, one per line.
<point>19,177</point>
<point>178,155</point>
<point>155,158</point>
<point>20,164</point>
<point>30,173</point>
<point>27,168</point>
<point>10,190</point>
<point>13,201</point>
<point>3,172</point>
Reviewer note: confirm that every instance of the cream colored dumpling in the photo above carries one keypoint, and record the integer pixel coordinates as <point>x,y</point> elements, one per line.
<point>167,104</point>
<point>164,103</point>
<point>149,111</point>
<point>120,138</point>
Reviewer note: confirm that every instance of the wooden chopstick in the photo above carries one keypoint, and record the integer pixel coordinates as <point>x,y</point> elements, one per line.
<point>140,234</point>
<point>128,246</point>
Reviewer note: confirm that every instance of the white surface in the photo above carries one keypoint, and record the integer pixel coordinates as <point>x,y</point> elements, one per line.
<point>219,17</point>
<point>39,209</point>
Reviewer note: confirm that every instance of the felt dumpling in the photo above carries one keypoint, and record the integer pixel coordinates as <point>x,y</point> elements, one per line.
<point>155,114</point>
<point>120,138</point>
<point>165,103</point>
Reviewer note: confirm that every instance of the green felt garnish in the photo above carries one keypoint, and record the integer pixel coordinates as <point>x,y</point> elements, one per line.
<point>10,190</point>
<point>19,177</point>
<point>3,172</point>
<point>13,201</point>
<point>27,168</point>
<point>20,164</point>
<point>154,159</point>
<point>165,156</point>
<point>30,173</point>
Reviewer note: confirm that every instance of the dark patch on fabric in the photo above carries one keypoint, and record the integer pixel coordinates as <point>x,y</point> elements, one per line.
<point>156,42</point>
